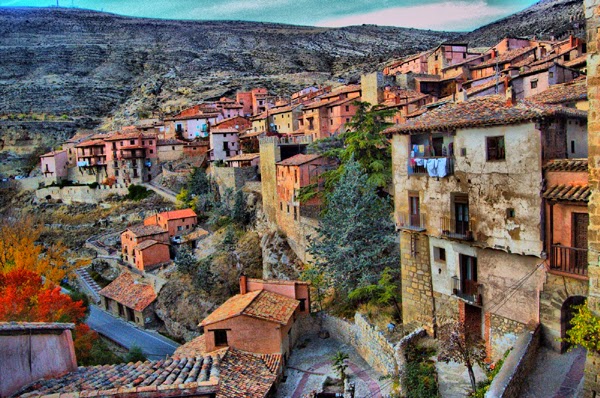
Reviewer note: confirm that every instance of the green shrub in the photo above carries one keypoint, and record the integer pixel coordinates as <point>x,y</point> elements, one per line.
<point>135,354</point>
<point>420,376</point>
<point>585,329</point>
<point>491,372</point>
<point>137,192</point>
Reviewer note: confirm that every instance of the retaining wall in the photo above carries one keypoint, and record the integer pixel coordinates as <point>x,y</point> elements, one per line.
<point>80,194</point>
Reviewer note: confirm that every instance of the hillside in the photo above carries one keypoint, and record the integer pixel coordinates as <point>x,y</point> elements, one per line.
<point>544,20</point>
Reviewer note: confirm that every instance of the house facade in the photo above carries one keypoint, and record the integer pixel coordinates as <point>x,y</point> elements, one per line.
<point>175,222</point>
<point>145,246</point>
<point>129,298</point>
<point>54,166</point>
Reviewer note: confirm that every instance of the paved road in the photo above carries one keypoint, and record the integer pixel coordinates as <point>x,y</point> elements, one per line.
<point>153,345</point>
<point>165,193</point>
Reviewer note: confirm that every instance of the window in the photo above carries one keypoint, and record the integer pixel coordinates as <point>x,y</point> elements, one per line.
<point>468,275</point>
<point>439,254</point>
<point>131,142</point>
<point>567,57</point>
<point>347,120</point>
<point>572,146</point>
<point>331,122</point>
<point>347,108</point>
<point>495,148</point>
<point>220,338</point>
<point>510,213</point>
<point>415,209</point>
<point>550,75</point>
<point>179,227</point>
<point>534,84</point>
<point>302,304</point>
<point>281,206</point>
<point>151,150</point>
<point>295,213</point>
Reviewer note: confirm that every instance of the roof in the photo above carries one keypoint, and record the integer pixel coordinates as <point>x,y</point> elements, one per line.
<point>148,243</point>
<point>146,230</point>
<point>243,156</point>
<point>194,235</point>
<point>130,292</point>
<point>581,60</point>
<point>570,165</point>
<point>177,214</point>
<point>244,374</point>
<point>259,304</point>
<point>279,281</point>
<point>490,110</point>
<point>575,90</point>
<point>484,86</point>
<point>504,57</point>
<point>171,141</point>
<point>225,130</point>
<point>53,153</point>
<point>16,327</point>
<point>90,143</point>
<point>124,135</point>
<point>190,376</point>
<point>568,192</point>
<point>298,160</point>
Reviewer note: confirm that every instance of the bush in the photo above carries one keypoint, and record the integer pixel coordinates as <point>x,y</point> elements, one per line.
<point>137,192</point>
<point>585,329</point>
<point>135,354</point>
<point>491,372</point>
<point>420,376</point>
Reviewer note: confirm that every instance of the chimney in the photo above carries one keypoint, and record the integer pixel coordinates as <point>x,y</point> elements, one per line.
<point>461,96</point>
<point>243,284</point>
<point>493,53</point>
<point>506,82</point>
<point>510,100</point>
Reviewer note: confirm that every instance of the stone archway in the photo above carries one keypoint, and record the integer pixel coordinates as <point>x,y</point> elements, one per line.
<point>567,313</point>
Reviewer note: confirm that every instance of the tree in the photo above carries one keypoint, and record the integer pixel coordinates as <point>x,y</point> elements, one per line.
<point>318,283</point>
<point>185,260</point>
<point>384,292</point>
<point>19,250</point>
<point>585,330</point>
<point>339,364</point>
<point>198,182</point>
<point>135,354</point>
<point>239,213</point>
<point>355,238</point>
<point>459,344</point>
<point>203,278</point>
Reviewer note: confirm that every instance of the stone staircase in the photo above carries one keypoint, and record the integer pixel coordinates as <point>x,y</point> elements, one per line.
<point>88,283</point>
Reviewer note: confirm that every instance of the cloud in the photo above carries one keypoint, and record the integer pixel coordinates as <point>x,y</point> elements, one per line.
<point>446,15</point>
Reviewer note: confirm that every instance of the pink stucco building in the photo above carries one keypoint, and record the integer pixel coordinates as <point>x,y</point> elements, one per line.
<point>54,166</point>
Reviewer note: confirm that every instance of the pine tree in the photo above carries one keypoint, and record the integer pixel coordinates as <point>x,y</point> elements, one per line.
<point>185,260</point>
<point>239,213</point>
<point>198,182</point>
<point>355,238</point>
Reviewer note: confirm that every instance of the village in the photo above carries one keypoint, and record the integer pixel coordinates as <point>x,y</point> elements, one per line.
<point>490,189</point>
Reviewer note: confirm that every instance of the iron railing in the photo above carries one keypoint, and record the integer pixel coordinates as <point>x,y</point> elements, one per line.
<point>419,166</point>
<point>567,259</point>
<point>468,290</point>
<point>457,229</point>
<point>414,222</point>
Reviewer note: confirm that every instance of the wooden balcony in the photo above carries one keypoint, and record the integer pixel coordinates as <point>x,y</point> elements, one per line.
<point>457,229</point>
<point>412,222</point>
<point>133,154</point>
<point>468,290</point>
<point>570,260</point>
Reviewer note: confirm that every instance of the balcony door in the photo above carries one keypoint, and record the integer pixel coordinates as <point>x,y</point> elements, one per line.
<point>415,210</point>
<point>579,231</point>
<point>461,214</point>
<point>468,275</point>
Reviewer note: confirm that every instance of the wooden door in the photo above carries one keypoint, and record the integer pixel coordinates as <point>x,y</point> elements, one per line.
<point>415,211</point>
<point>461,211</point>
<point>468,275</point>
<point>579,231</point>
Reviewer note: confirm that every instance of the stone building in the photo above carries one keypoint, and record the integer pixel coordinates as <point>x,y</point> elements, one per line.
<point>467,179</point>
<point>131,156</point>
<point>91,161</point>
<point>128,297</point>
<point>145,246</point>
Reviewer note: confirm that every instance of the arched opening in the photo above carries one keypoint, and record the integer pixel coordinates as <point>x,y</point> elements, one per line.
<point>567,312</point>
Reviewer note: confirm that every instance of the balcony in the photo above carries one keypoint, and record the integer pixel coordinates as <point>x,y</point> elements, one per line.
<point>457,229</point>
<point>439,166</point>
<point>412,222</point>
<point>133,154</point>
<point>570,260</point>
<point>468,290</point>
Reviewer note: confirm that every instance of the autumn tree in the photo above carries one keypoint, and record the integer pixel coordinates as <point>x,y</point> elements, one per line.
<point>19,249</point>
<point>460,344</point>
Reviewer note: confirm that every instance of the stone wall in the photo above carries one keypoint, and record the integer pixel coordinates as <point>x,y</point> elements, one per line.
<point>233,177</point>
<point>80,194</point>
<point>557,289</point>
<point>269,155</point>
<point>517,366</point>
<point>417,291</point>
<point>503,334</point>
<point>591,386</point>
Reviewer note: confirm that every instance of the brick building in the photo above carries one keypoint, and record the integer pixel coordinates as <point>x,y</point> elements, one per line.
<point>145,246</point>
<point>175,222</point>
<point>129,298</point>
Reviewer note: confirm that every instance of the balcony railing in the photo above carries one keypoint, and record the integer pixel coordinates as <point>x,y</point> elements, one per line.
<point>132,154</point>
<point>413,222</point>
<point>468,290</point>
<point>440,166</point>
<point>457,229</point>
<point>571,260</point>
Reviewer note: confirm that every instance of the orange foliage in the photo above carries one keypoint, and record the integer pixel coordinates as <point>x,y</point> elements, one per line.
<point>23,298</point>
<point>84,339</point>
<point>18,250</point>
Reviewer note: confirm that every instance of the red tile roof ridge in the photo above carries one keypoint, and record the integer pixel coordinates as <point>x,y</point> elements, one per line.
<point>298,159</point>
<point>279,281</point>
<point>177,214</point>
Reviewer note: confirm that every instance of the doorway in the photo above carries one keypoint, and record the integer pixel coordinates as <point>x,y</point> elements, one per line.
<point>567,312</point>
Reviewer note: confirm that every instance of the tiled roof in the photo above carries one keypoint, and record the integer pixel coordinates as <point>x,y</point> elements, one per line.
<point>491,110</point>
<point>147,243</point>
<point>171,141</point>
<point>246,375</point>
<point>130,134</point>
<point>130,292</point>
<point>90,143</point>
<point>318,104</point>
<point>193,348</point>
<point>572,165</point>
<point>566,192</point>
<point>482,87</point>
<point>505,57</point>
<point>342,90</point>
<point>298,160</point>
<point>260,304</point>
<point>560,93</point>
<point>177,214</point>
<point>278,281</point>
<point>146,230</point>
<point>225,130</point>
<point>243,156</point>
<point>180,377</point>
<point>194,235</point>
<point>53,153</point>
<point>581,60</point>
<point>11,327</point>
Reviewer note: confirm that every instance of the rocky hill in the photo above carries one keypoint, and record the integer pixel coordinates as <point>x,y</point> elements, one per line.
<point>544,20</point>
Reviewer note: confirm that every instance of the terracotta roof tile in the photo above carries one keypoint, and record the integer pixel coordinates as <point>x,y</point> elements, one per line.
<point>171,141</point>
<point>491,110</point>
<point>504,57</point>
<point>566,192</point>
<point>298,160</point>
<point>225,130</point>
<point>560,93</point>
<point>192,375</point>
<point>177,214</point>
<point>260,304</point>
<point>572,165</point>
<point>147,243</point>
<point>8,327</point>
<point>245,375</point>
<point>130,292</point>
<point>243,156</point>
<point>146,230</point>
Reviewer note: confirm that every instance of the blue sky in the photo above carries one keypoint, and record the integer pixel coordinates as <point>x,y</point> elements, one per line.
<point>426,14</point>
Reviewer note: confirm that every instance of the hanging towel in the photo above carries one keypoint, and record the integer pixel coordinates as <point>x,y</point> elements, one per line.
<point>420,162</point>
<point>441,168</point>
<point>432,167</point>
<point>415,148</point>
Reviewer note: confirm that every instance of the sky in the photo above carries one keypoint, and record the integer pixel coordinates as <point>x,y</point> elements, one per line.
<point>454,15</point>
